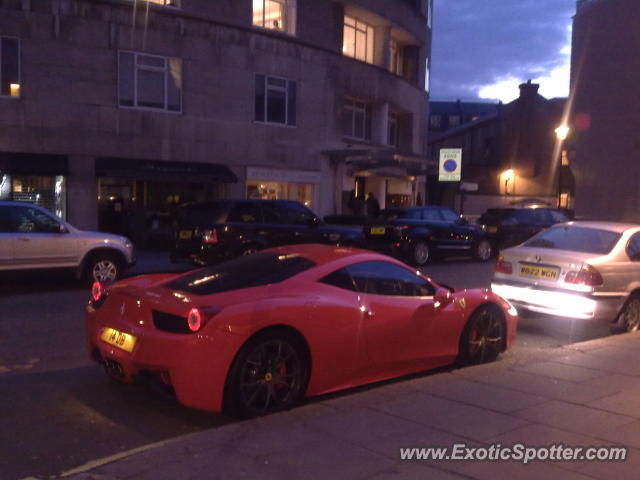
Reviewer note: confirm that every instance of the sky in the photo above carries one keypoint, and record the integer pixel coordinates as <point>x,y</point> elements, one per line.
<point>483,49</point>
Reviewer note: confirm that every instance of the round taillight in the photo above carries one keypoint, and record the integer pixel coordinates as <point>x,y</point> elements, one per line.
<point>97,291</point>
<point>194,319</point>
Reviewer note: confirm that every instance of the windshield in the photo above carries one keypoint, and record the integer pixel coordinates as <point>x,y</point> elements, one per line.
<point>576,239</point>
<point>249,271</point>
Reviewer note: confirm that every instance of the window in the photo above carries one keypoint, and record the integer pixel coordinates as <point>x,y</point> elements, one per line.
<point>245,212</point>
<point>275,15</point>
<point>435,121</point>
<point>449,215</point>
<point>298,215</point>
<point>357,119</point>
<point>357,40</point>
<point>30,220</point>
<point>396,57</point>
<point>249,271</point>
<point>557,216</point>
<point>385,278</point>
<point>431,214</point>
<point>633,248</point>
<point>275,100</point>
<point>575,239</point>
<point>341,279</point>
<point>392,130</point>
<point>150,81</point>
<point>454,120</point>
<point>9,67</point>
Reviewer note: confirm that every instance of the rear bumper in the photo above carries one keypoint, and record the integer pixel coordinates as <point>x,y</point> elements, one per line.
<point>561,303</point>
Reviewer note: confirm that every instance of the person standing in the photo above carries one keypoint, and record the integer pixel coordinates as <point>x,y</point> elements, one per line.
<point>373,207</point>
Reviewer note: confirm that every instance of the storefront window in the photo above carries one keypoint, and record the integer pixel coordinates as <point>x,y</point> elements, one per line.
<point>263,190</point>
<point>49,192</point>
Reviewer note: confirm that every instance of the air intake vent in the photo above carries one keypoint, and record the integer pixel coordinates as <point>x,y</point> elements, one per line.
<point>168,322</point>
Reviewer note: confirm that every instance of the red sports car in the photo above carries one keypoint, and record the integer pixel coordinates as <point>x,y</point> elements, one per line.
<point>258,333</point>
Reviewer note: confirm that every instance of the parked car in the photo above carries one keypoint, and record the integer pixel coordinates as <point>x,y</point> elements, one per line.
<point>417,234</point>
<point>31,237</point>
<point>511,226</point>
<point>258,333</point>
<point>209,232</point>
<point>585,270</point>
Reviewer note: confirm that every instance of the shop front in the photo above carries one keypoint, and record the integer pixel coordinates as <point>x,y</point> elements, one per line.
<point>279,184</point>
<point>139,198</point>
<point>34,178</point>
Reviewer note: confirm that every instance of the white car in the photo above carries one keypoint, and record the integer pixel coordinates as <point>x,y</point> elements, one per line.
<point>582,270</point>
<point>31,237</point>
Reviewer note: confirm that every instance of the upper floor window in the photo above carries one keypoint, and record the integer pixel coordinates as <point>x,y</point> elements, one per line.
<point>275,15</point>
<point>392,130</point>
<point>357,39</point>
<point>9,67</point>
<point>454,121</point>
<point>149,81</point>
<point>435,121</point>
<point>275,100</point>
<point>357,119</point>
<point>397,58</point>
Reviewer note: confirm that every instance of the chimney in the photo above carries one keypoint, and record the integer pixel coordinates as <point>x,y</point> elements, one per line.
<point>529,90</point>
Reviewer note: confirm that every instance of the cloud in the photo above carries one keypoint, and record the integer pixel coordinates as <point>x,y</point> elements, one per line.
<point>486,48</point>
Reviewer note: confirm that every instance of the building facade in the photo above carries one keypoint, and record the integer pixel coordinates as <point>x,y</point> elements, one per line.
<point>605,117</point>
<point>113,112</point>
<point>509,157</point>
<point>445,116</point>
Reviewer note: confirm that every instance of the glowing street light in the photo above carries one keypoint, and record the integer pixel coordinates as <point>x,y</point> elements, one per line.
<point>561,132</point>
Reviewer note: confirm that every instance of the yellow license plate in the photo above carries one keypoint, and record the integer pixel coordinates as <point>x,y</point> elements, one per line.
<point>185,234</point>
<point>378,231</point>
<point>539,272</point>
<point>118,339</point>
<point>492,229</point>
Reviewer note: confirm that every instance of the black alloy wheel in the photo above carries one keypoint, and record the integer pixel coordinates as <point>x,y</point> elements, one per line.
<point>483,337</point>
<point>420,254</point>
<point>483,251</point>
<point>269,374</point>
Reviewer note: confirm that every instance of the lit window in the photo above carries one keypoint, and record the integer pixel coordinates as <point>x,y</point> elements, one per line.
<point>149,81</point>
<point>275,100</point>
<point>357,119</point>
<point>275,15</point>
<point>9,67</point>
<point>358,40</point>
<point>392,130</point>
<point>397,58</point>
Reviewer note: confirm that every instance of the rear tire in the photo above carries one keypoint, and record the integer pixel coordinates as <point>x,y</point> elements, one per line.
<point>270,373</point>
<point>103,268</point>
<point>483,338</point>
<point>628,319</point>
<point>420,254</point>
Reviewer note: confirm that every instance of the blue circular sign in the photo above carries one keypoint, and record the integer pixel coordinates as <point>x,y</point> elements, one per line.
<point>450,165</point>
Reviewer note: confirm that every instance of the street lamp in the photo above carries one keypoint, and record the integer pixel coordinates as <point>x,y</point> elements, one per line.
<point>561,133</point>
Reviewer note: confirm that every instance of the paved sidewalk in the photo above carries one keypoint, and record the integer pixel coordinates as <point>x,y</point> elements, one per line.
<point>582,395</point>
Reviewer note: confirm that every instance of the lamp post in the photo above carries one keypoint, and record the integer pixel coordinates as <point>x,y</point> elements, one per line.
<point>561,133</point>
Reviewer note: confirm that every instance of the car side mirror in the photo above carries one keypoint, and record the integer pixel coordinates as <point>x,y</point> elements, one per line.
<point>442,298</point>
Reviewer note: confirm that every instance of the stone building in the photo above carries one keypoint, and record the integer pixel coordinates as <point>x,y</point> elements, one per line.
<point>113,112</point>
<point>605,118</point>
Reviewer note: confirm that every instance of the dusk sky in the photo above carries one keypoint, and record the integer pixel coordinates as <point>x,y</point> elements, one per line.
<point>483,49</point>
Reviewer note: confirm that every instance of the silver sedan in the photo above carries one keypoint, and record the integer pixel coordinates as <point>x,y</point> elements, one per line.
<point>583,270</point>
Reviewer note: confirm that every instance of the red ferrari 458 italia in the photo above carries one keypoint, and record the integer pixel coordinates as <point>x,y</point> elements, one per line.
<point>257,334</point>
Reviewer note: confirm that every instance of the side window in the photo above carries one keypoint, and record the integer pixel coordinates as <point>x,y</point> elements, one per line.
<point>633,248</point>
<point>558,217</point>
<point>273,214</point>
<point>385,278</point>
<point>542,216</point>
<point>30,220</point>
<point>341,279</point>
<point>523,216</point>
<point>431,214</point>
<point>244,212</point>
<point>298,214</point>
<point>449,215</point>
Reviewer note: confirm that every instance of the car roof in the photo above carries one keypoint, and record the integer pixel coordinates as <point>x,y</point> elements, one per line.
<point>321,254</point>
<point>618,227</point>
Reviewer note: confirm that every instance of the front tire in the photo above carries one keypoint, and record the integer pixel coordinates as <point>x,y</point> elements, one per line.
<point>628,319</point>
<point>269,374</point>
<point>103,268</point>
<point>483,251</point>
<point>483,337</point>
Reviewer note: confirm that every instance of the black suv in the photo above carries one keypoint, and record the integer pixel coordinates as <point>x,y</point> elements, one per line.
<point>417,234</point>
<point>212,231</point>
<point>511,226</point>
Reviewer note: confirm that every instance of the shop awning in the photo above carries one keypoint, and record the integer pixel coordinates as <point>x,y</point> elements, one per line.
<point>32,164</point>
<point>380,159</point>
<point>164,170</point>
